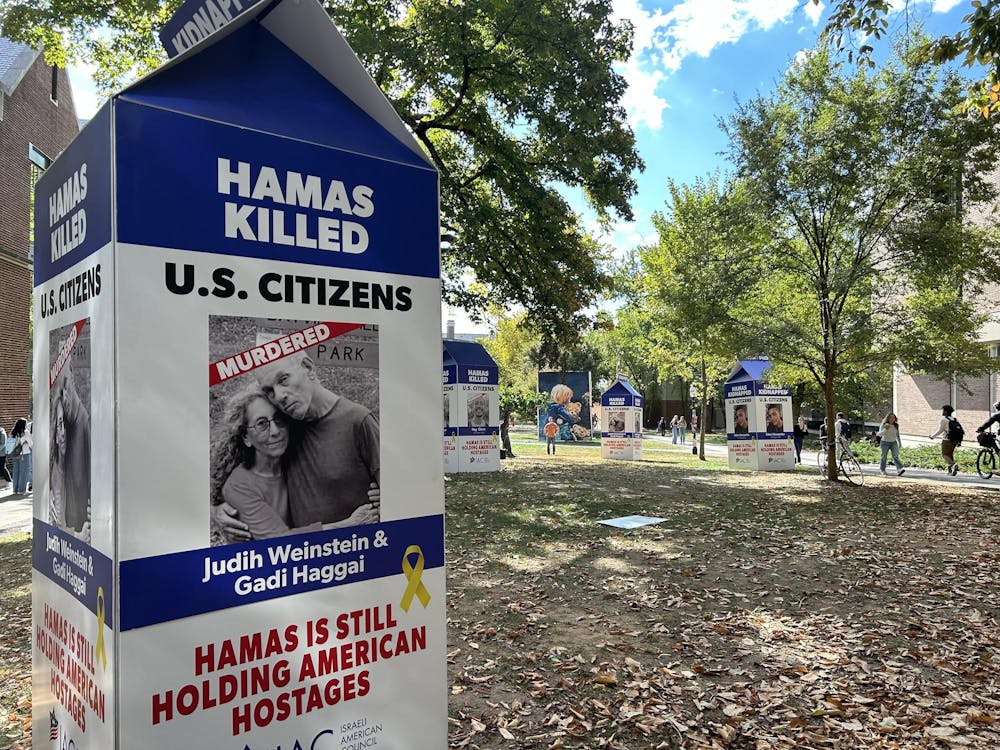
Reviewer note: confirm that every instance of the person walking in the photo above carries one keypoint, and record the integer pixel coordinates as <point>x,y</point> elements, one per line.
<point>799,432</point>
<point>950,431</point>
<point>682,426</point>
<point>673,429</point>
<point>888,432</point>
<point>4,474</point>
<point>551,429</point>
<point>661,426</point>
<point>21,455</point>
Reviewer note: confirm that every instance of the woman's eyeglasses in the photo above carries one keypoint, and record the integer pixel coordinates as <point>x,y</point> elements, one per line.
<point>262,426</point>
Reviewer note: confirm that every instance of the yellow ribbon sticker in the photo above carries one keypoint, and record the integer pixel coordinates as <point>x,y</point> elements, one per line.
<point>414,586</point>
<point>100,652</point>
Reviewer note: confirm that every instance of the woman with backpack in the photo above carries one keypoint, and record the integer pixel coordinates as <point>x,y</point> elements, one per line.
<point>21,456</point>
<point>952,433</point>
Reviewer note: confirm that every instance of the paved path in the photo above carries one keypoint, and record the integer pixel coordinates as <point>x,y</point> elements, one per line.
<point>964,479</point>
<point>15,511</point>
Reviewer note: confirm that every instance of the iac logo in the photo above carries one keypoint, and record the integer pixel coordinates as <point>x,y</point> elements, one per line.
<point>325,740</point>
<point>59,734</point>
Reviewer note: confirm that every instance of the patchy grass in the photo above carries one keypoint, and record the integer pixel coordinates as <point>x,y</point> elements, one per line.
<point>15,638</point>
<point>767,611</point>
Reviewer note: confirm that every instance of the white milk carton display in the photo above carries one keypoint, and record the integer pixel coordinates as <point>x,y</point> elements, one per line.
<point>471,387</point>
<point>621,422</point>
<point>237,333</point>
<point>758,420</point>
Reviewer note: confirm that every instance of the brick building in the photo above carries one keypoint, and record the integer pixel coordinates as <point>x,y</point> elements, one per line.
<point>917,399</point>
<point>37,121</point>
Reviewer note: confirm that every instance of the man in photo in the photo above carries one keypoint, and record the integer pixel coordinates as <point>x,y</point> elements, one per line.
<point>775,420</point>
<point>741,425</point>
<point>333,466</point>
<point>479,411</point>
<point>616,421</point>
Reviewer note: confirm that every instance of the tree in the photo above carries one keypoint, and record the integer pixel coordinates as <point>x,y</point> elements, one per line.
<point>509,99</point>
<point>976,46</point>
<point>693,278</point>
<point>863,175</point>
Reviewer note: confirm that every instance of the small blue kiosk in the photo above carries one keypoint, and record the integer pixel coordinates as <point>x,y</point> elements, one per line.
<point>621,422</point>
<point>471,408</point>
<point>758,419</point>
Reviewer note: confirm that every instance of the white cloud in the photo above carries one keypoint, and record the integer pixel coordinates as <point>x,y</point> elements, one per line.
<point>815,10</point>
<point>943,6</point>
<point>691,27</point>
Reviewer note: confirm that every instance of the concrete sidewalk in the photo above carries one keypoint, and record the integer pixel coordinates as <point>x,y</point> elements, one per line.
<point>15,511</point>
<point>964,479</point>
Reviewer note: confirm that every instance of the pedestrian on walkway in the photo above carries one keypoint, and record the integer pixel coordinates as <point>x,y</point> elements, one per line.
<point>21,455</point>
<point>682,427</point>
<point>951,433</point>
<point>551,430</point>
<point>661,426</point>
<point>799,432</point>
<point>4,474</point>
<point>673,429</point>
<point>888,432</point>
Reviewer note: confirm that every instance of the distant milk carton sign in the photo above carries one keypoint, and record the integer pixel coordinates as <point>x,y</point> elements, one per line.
<point>238,507</point>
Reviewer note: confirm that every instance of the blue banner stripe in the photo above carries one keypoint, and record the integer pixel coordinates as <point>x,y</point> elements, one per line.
<point>73,565</point>
<point>73,201</point>
<point>170,587</point>
<point>168,187</point>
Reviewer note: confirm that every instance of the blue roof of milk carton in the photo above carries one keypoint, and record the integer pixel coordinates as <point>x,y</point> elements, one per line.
<point>467,354</point>
<point>252,80</point>
<point>749,369</point>
<point>621,388</point>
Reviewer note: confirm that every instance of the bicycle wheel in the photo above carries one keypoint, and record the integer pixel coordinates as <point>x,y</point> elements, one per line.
<point>986,463</point>
<point>851,469</point>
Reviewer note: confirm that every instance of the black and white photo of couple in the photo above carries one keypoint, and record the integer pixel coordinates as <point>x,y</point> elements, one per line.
<point>295,442</point>
<point>69,490</point>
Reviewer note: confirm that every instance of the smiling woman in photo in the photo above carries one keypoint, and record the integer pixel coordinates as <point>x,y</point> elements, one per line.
<point>249,471</point>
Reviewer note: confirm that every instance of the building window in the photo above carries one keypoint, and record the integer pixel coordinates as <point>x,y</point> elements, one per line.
<point>55,84</point>
<point>38,163</point>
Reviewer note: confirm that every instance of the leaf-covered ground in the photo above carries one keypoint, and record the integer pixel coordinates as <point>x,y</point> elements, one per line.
<point>768,611</point>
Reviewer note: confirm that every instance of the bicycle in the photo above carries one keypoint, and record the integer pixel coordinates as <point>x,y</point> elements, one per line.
<point>847,462</point>
<point>989,455</point>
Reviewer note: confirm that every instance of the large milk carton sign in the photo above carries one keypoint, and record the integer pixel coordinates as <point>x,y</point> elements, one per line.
<point>775,443</point>
<point>758,419</point>
<point>475,419</point>
<point>621,422</point>
<point>238,535</point>
<point>741,439</point>
<point>449,382</point>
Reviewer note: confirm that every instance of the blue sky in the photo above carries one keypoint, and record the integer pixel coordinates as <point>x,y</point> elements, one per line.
<point>691,61</point>
<point>694,59</point>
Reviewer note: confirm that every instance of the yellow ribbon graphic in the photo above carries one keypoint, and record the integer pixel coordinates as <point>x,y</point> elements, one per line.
<point>100,651</point>
<point>414,586</point>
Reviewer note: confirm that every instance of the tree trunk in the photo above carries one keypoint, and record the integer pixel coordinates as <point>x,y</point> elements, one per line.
<point>831,430</point>
<point>701,411</point>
